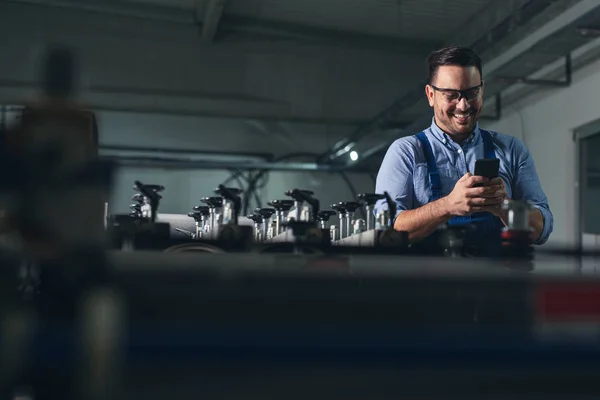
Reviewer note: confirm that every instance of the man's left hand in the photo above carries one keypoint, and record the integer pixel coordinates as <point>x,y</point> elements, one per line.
<point>496,209</point>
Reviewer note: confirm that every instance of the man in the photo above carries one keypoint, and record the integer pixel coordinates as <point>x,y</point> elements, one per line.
<point>444,155</point>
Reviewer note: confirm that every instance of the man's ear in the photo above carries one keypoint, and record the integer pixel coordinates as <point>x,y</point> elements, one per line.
<point>429,92</point>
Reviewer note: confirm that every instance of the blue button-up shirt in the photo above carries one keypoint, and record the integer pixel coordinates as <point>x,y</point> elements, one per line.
<point>403,172</point>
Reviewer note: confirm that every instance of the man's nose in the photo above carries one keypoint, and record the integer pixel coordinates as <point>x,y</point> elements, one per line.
<point>463,104</point>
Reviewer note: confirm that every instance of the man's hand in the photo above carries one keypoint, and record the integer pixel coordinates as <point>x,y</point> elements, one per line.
<point>496,209</point>
<point>469,197</point>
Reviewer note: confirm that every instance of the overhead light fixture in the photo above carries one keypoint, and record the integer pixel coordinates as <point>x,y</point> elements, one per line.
<point>353,155</point>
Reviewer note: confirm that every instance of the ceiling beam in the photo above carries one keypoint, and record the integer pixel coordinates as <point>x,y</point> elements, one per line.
<point>117,8</point>
<point>495,14</point>
<point>209,13</point>
<point>185,103</point>
<point>234,27</point>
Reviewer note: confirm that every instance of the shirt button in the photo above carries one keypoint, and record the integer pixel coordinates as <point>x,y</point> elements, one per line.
<point>459,151</point>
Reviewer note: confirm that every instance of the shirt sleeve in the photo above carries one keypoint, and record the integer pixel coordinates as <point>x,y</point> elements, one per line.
<point>395,176</point>
<point>527,187</point>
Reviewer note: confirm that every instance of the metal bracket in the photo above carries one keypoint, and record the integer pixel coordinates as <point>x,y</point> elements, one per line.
<point>498,108</point>
<point>543,82</point>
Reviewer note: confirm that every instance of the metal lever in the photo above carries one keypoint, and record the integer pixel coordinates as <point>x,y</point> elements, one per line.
<point>151,193</point>
<point>302,196</point>
<point>281,207</point>
<point>266,214</point>
<point>190,234</point>
<point>341,210</point>
<point>257,219</point>
<point>213,203</point>
<point>201,214</point>
<point>369,200</point>
<point>351,207</point>
<point>231,196</point>
<point>324,216</point>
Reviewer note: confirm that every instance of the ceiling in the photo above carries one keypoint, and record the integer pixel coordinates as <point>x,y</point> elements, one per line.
<point>492,27</point>
<point>409,19</point>
<point>423,22</point>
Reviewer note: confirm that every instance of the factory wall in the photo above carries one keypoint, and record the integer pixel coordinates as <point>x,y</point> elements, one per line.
<point>546,120</point>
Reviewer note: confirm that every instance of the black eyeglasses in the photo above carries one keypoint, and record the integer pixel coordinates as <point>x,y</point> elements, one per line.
<point>455,95</point>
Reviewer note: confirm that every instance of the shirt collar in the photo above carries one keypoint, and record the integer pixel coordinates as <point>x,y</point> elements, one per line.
<point>443,137</point>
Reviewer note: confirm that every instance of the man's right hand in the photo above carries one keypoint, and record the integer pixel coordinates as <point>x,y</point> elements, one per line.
<point>468,198</point>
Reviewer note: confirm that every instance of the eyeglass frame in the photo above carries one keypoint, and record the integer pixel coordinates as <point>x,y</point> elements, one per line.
<point>461,93</point>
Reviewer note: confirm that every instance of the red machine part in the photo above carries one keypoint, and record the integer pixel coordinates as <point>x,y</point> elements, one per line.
<point>567,311</point>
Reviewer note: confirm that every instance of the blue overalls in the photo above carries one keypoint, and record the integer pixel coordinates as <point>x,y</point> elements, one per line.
<point>484,238</point>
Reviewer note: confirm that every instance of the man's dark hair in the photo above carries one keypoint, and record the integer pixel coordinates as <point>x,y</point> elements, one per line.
<point>453,55</point>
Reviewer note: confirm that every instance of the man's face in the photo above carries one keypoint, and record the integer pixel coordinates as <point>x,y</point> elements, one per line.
<point>456,113</point>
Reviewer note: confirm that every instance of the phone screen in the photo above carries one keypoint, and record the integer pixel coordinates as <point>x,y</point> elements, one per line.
<point>488,168</point>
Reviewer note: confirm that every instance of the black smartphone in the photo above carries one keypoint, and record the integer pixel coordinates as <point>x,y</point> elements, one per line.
<point>487,167</point>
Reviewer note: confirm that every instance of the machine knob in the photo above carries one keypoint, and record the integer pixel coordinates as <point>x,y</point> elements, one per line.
<point>281,205</point>
<point>351,206</point>
<point>154,188</point>
<point>202,210</point>
<point>325,215</point>
<point>340,207</point>
<point>138,197</point>
<point>212,202</point>
<point>196,215</point>
<point>299,194</point>
<point>257,218</point>
<point>370,198</point>
<point>265,212</point>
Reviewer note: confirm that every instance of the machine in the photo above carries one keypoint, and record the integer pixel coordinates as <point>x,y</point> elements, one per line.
<point>296,224</point>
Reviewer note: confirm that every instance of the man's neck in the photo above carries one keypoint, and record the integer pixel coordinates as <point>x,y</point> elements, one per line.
<point>459,139</point>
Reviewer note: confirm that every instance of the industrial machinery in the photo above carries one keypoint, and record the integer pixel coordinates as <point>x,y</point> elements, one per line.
<point>297,220</point>
<point>299,225</point>
<point>295,225</point>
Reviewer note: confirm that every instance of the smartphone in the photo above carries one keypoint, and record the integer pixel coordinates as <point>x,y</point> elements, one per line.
<point>487,167</point>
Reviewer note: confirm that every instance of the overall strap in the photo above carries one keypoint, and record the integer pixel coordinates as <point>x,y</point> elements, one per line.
<point>432,171</point>
<point>488,144</point>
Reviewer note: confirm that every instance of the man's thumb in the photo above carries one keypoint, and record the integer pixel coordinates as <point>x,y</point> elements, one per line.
<point>466,176</point>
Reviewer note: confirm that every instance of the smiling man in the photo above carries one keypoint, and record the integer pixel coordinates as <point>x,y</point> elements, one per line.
<point>429,175</point>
